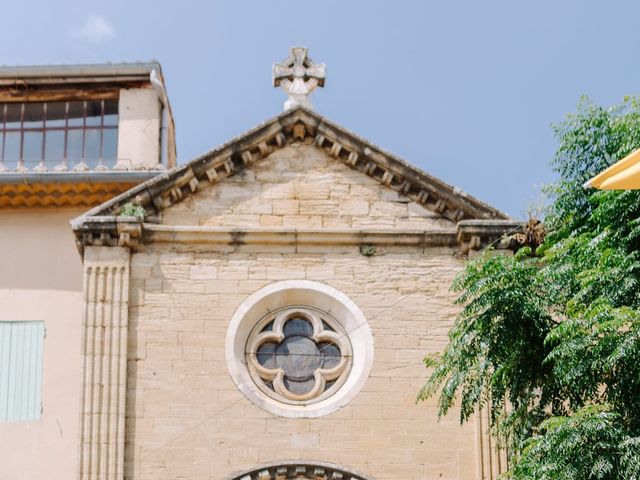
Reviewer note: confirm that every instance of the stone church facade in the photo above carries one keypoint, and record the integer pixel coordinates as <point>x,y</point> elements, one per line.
<point>268,315</point>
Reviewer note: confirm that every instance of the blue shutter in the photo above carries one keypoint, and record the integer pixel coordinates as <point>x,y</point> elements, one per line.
<point>21,370</point>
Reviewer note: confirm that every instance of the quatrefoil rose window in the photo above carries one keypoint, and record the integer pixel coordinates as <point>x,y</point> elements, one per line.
<point>298,355</point>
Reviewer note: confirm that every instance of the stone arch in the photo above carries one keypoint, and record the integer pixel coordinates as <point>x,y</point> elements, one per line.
<point>290,470</point>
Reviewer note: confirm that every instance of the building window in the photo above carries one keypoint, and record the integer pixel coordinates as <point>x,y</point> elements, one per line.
<point>38,136</point>
<point>298,355</point>
<point>299,349</point>
<point>21,345</point>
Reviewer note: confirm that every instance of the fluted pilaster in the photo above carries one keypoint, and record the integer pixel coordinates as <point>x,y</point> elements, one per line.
<point>492,458</point>
<point>104,353</point>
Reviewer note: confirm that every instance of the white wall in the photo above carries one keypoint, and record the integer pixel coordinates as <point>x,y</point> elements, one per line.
<point>40,279</point>
<point>139,128</point>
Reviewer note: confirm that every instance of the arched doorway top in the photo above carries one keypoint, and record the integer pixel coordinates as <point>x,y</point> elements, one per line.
<point>299,469</point>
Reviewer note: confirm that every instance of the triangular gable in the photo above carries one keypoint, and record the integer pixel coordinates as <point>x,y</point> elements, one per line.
<point>477,224</point>
<point>160,192</point>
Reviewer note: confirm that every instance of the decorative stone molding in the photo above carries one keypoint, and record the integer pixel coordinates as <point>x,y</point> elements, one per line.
<point>296,125</point>
<point>473,235</point>
<point>298,356</point>
<point>308,295</point>
<point>109,231</point>
<point>300,470</point>
<point>298,76</point>
<point>294,239</point>
<point>104,354</point>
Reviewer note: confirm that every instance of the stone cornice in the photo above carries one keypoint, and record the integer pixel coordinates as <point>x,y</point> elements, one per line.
<point>477,234</point>
<point>300,125</point>
<point>132,232</point>
<point>296,237</point>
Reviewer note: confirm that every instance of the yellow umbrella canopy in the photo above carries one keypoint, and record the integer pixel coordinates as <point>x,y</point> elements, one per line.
<point>623,175</point>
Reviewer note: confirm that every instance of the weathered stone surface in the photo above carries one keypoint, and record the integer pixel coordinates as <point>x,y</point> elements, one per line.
<point>182,381</point>
<point>317,191</point>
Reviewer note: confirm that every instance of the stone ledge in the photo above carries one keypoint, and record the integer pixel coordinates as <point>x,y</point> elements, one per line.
<point>478,234</point>
<point>123,231</point>
<point>283,236</point>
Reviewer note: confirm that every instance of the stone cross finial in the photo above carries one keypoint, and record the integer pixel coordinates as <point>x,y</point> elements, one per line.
<point>298,76</point>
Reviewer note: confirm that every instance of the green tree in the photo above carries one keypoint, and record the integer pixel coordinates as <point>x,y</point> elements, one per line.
<point>556,332</point>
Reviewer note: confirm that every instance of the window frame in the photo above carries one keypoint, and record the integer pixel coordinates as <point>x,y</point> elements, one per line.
<point>39,164</point>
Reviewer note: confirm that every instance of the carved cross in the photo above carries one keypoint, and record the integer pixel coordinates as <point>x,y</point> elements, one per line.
<point>298,76</point>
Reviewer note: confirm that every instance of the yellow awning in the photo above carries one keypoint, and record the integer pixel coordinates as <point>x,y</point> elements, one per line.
<point>623,175</point>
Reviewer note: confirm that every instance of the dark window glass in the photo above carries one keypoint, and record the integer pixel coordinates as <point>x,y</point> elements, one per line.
<point>33,115</point>
<point>76,114</point>
<point>73,131</point>
<point>94,114</point>
<point>13,115</point>
<point>56,114</point>
<point>111,113</point>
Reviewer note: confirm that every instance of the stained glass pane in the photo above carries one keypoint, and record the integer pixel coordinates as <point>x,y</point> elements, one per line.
<point>329,384</point>
<point>298,326</point>
<point>330,353</point>
<point>327,326</point>
<point>268,327</point>
<point>299,387</point>
<point>266,355</point>
<point>298,357</point>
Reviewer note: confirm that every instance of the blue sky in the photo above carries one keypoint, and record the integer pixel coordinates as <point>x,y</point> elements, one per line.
<point>466,90</point>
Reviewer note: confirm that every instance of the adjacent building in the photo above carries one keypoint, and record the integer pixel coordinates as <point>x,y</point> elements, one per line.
<point>71,137</point>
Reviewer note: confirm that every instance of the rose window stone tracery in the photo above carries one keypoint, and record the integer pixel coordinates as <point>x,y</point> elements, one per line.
<point>298,355</point>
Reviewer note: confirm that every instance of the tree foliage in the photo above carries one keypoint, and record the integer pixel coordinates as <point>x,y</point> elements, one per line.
<point>555,334</point>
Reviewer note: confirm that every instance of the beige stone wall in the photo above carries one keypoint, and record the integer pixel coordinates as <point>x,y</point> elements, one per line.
<point>186,418</point>
<point>41,279</point>
<point>300,186</point>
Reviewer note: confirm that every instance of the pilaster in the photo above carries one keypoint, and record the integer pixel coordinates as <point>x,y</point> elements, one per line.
<point>104,354</point>
<point>492,460</point>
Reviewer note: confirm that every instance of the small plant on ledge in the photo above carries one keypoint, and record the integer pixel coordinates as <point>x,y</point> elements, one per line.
<point>131,209</point>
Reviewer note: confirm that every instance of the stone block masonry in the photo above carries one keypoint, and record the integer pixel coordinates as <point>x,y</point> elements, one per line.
<point>316,192</point>
<point>186,418</point>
